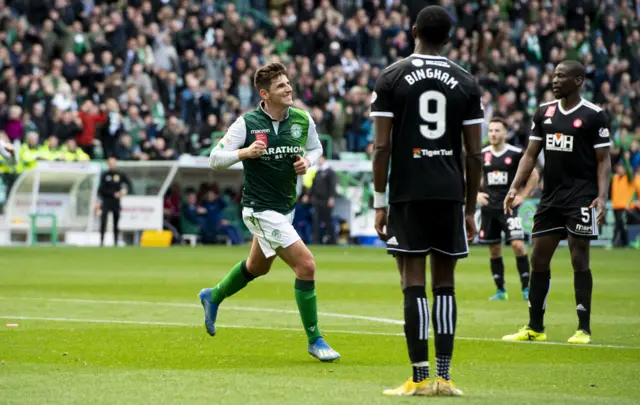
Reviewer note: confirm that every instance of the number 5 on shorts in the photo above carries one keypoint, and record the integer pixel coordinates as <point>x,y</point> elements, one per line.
<point>586,215</point>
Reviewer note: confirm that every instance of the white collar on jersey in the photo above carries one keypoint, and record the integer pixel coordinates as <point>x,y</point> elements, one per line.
<point>563,111</point>
<point>504,150</point>
<point>583,103</point>
<point>417,55</point>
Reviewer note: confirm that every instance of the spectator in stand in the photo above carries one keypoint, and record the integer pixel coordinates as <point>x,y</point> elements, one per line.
<point>7,166</point>
<point>171,211</point>
<point>149,61</point>
<point>50,150</point>
<point>215,222</point>
<point>90,116</point>
<point>13,125</point>
<point>69,126</point>
<point>192,219</point>
<point>303,217</point>
<point>70,152</point>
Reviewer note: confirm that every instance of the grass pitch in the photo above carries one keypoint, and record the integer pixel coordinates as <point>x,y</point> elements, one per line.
<point>124,326</point>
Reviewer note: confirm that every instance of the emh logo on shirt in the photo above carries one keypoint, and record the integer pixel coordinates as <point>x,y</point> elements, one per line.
<point>497,178</point>
<point>560,142</point>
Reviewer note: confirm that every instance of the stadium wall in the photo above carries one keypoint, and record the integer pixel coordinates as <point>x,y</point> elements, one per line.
<point>68,191</point>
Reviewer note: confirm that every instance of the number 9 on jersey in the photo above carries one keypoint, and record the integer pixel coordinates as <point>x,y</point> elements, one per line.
<point>433,110</point>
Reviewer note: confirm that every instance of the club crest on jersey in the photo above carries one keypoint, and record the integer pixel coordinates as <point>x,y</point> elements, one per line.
<point>507,160</point>
<point>551,110</point>
<point>559,142</point>
<point>262,136</point>
<point>416,153</point>
<point>296,131</point>
<point>577,123</point>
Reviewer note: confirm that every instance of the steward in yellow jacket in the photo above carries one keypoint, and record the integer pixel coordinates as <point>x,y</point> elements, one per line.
<point>72,153</point>
<point>29,152</point>
<point>50,150</point>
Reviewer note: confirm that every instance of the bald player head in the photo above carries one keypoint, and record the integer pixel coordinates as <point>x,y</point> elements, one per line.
<point>568,78</point>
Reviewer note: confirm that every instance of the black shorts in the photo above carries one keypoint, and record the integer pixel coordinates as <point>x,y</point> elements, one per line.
<point>578,221</point>
<point>419,227</point>
<point>492,224</point>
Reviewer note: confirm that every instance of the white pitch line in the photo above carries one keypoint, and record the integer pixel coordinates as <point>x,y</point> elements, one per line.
<point>350,332</point>
<point>38,318</point>
<point>125,322</point>
<point>185,305</point>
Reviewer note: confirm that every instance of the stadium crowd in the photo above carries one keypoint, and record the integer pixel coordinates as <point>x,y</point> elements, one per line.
<point>154,79</point>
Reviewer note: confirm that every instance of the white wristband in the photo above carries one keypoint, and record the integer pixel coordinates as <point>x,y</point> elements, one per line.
<point>379,200</point>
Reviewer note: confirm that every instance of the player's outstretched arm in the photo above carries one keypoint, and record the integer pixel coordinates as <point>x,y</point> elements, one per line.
<point>228,151</point>
<point>525,168</point>
<point>473,162</point>
<point>380,161</point>
<point>604,173</point>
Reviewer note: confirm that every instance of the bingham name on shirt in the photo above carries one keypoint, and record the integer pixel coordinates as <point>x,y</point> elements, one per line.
<point>431,73</point>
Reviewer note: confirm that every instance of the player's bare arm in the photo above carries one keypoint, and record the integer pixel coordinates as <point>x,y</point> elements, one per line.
<point>380,160</point>
<point>483,197</point>
<point>473,146</point>
<point>532,182</point>
<point>604,170</point>
<point>525,168</point>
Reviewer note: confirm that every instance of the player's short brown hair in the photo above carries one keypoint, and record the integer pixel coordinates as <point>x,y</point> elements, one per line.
<point>267,74</point>
<point>501,121</point>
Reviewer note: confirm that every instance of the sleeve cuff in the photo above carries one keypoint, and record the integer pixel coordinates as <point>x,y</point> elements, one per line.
<point>602,145</point>
<point>535,138</point>
<point>381,114</point>
<point>474,121</point>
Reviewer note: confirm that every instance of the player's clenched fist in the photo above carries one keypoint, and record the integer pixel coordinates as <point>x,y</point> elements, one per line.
<point>301,165</point>
<point>255,150</point>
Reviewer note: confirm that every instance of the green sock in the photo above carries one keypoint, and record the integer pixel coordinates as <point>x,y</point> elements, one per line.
<point>308,307</point>
<point>234,281</point>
